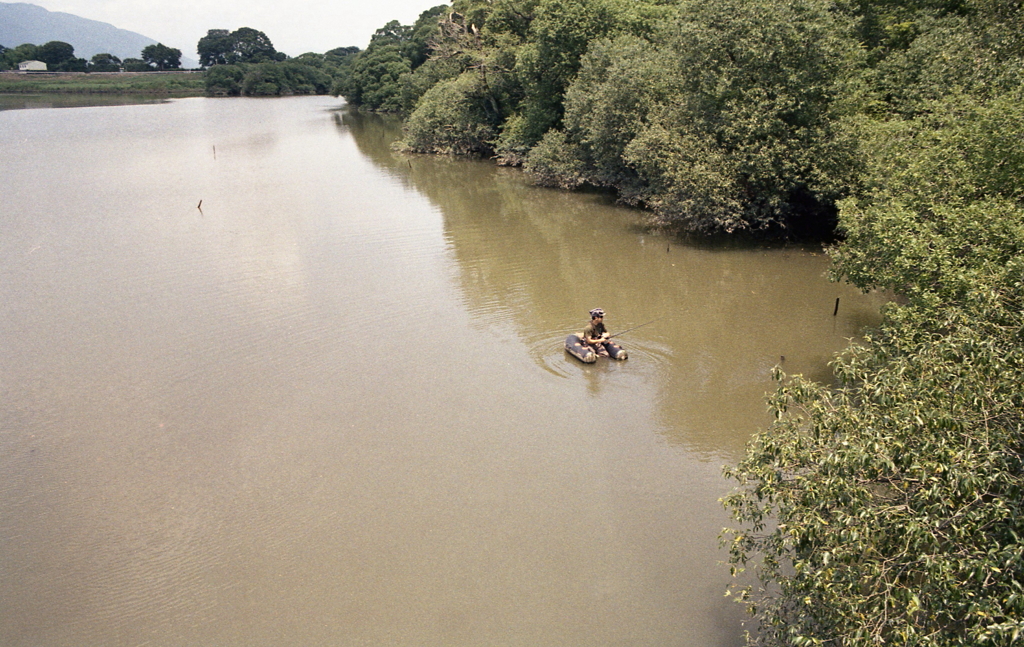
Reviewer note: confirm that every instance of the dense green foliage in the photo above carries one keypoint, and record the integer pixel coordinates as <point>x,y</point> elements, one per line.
<point>58,56</point>
<point>267,79</point>
<point>244,45</point>
<point>452,118</point>
<point>896,497</point>
<point>11,56</point>
<point>378,78</point>
<point>725,116</point>
<point>716,116</point>
<point>136,65</point>
<point>162,57</point>
<point>885,508</point>
<point>55,53</point>
<point>724,124</point>
<point>244,62</point>
<point>105,63</point>
<point>526,55</point>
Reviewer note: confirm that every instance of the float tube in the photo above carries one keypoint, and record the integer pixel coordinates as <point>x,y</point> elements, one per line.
<point>574,345</point>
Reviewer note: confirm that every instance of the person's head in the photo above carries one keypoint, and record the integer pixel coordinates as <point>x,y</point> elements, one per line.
<point>597,313</point>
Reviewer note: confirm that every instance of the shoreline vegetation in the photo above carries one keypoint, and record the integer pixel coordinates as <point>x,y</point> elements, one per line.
<point>243,62</point>
<point>176,84</point>
<point>887,507</point>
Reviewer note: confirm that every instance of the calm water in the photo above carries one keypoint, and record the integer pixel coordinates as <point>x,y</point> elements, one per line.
<point>29,101</point>
<point>331,406</point>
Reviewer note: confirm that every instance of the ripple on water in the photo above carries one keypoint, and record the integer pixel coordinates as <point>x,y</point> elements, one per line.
<point>548,350</point>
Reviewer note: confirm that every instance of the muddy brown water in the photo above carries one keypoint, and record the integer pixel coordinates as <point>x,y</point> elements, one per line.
<point>331,406</point>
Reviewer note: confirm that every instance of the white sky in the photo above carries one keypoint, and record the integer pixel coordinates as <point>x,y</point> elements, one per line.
<point>294,26</point>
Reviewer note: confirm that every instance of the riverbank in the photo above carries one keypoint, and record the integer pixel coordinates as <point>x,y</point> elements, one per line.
<point>178,84</point>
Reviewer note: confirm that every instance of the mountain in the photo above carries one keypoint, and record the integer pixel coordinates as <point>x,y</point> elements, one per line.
<point>27,23</point>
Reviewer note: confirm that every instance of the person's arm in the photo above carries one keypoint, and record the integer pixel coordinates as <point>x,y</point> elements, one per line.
<point>589,337</point>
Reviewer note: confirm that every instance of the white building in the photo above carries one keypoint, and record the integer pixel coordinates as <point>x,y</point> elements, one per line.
<point>31,66</point>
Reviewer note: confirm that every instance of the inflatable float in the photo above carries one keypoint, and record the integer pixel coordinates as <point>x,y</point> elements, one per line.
<point>575,347</point>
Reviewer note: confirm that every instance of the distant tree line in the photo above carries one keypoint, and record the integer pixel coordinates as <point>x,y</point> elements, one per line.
<point>60,57</point>
<point>245,63</point>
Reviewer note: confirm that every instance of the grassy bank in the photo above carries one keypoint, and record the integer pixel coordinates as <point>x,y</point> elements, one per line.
<point>168,83</point>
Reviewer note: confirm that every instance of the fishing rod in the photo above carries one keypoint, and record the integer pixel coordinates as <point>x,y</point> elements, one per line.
<point>635,327</point>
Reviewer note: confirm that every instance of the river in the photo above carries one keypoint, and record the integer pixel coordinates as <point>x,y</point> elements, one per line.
<point>265,382</point>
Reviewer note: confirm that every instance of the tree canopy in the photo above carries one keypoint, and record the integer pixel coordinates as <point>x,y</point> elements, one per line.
<point>245,63</point>
<point>272,78</point>
<point>244,45</point>
<point>135,65</point>
<point>214,47</point>
<point>10,57</point>
<point>55,52</point>
<point>378,77</point>
<point>887,509</point>
<point>104,62</point>
<point>162,57</point>
<point>58,56</point>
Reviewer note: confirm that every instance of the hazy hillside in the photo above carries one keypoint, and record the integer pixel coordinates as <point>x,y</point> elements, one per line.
<point>27,23</point>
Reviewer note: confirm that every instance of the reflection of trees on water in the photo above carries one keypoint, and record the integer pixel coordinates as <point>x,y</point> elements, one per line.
<point>30,101</point>
<point>372,134</point>
<point>539,259</point>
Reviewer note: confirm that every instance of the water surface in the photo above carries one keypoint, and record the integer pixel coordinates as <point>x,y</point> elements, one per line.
<point>264,381</point>
<point>31,101</point>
